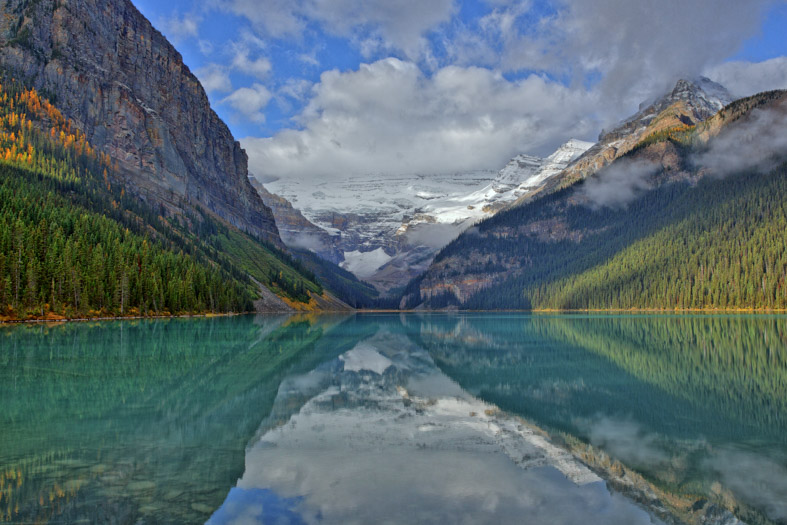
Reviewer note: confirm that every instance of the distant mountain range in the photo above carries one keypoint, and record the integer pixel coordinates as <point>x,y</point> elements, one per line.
<point>387,229</point>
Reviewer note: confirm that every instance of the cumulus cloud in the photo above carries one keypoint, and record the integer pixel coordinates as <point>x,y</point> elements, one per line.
<point>629,51</point>
<point>758,143</point>
<point>649,45</point>
<point>293,91</point>
<point>618,184</point>
<point>250,101</point>
<point>179,27</point>
<point>389,118</point>
<point>466,97</point>
<point>258,67</point>
<point>390,24</point>
<point>244,57</point>
<point>747,78</point>
<point>214,78</point>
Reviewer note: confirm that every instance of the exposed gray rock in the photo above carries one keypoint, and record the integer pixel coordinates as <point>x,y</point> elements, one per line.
<point>126,87</point>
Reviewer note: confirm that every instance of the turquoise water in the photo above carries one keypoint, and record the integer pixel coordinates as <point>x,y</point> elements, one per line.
<point>397,418</point>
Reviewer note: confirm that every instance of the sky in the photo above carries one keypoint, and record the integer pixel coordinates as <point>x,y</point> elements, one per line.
<point>333,88</point>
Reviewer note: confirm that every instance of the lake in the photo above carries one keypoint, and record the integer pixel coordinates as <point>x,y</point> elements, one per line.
<point>396,418</point>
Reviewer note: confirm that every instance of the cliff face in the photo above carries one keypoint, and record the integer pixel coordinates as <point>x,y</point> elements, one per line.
<point>297,231</point>
<point>126,87</point>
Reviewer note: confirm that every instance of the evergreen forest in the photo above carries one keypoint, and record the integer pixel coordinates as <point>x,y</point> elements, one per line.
<point>74,244</point>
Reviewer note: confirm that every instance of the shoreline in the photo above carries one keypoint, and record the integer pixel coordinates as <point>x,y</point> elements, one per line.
<point>593,311</point>
<point>60,319</point>
<point>633,311</point>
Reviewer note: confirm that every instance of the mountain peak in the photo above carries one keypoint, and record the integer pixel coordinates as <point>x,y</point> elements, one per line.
<point>712,93</point>
<point>700,99</point>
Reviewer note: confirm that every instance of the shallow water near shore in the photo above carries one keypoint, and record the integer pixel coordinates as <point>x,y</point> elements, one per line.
<point>399,418</point>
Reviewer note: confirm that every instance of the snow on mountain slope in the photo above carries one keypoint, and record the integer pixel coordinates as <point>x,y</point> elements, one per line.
<point>521,175</point>
<point>368,211</point>
<point>391,226</point>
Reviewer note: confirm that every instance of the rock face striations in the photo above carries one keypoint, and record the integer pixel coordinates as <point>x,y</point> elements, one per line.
<point>126,87</point>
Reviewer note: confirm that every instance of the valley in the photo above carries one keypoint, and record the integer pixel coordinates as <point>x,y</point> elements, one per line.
<point>386,230</point>
<point>362,261</point>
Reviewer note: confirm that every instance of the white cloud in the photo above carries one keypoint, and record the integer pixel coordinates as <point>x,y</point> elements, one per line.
<point>243,56</point>
<point>388,117</point>
<point>259,67</point>
<point>214,78</point>
<point>618,184</point>
<point>641,48</point>
<point>631,50</point>
<point>747,78</point>
<point>179,28</point>
<point>205,47</point>
<point>389,25</point>
<point>250,101</point>
<point>756,143</point>
<point>277,18</point>
<point>294,91</point>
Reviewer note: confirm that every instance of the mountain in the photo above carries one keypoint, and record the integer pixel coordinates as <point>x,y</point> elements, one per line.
<point>691,215</point>
<point>387,230</point>
<point>523,175</point>
<point>107,125</point>
<point>125,86</point>
<point>688,103</point>
<point>317,250</point>
<point>364,213</point>
<point>296,231</point>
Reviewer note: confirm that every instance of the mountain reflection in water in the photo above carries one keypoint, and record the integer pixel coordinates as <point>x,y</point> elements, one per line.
<point>396,418</point>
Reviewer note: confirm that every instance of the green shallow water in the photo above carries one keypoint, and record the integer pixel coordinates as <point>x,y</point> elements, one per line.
<point>189,420</point>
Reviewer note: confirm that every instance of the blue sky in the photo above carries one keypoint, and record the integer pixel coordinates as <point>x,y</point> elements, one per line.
<point>331,86</point>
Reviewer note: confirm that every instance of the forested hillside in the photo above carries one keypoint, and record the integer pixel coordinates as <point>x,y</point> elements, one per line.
<point>73,243</point>
<point>685,238</point>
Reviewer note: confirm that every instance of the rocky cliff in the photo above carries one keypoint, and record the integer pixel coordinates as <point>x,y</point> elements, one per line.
<point>126,87</point>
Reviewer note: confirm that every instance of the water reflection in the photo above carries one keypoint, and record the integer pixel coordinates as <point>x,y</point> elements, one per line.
<point>126,421</point>
<point>379,434</point>
<point>411,418</point>
<point>697,404</point>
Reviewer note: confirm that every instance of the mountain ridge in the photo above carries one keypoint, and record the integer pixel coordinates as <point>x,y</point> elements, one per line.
<point>122,83</point>
<point>123,95</point>
<point>686,104</point>
<point>388,232</point>
<point>529,246</point>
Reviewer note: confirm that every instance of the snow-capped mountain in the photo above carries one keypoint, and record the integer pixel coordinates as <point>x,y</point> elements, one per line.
<point>522,174</point>
<point>388,228</point>
<point>365,212</point>
<point>689,102</point>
